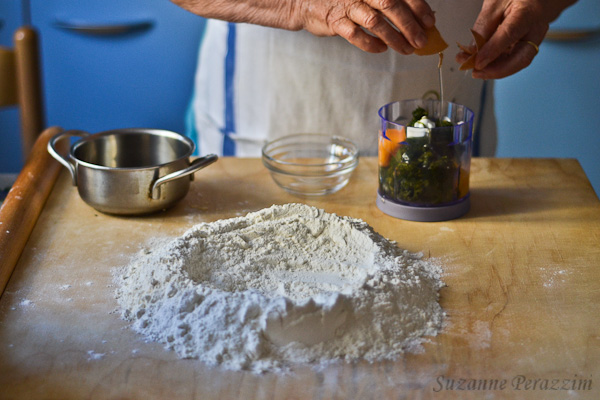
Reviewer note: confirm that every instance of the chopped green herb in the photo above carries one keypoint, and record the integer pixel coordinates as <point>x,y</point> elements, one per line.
<point>417,114</point>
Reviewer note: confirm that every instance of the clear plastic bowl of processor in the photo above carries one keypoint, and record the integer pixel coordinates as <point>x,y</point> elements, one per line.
<point>424,164</point>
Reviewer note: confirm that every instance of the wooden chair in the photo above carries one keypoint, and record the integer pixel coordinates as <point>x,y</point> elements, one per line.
<point>20,84</point>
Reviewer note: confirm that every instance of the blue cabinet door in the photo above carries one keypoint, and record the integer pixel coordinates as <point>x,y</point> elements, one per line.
<point>11,18</point>
<point>116,63</point>
<point>11,160</point>
<point>552,108</point>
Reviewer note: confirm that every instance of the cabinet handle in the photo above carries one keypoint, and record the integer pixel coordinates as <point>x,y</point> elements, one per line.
<point>104,30</point>
<point>572,35</point>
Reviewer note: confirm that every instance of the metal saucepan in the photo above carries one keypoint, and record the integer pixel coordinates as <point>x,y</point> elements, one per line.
<point>130,171</point>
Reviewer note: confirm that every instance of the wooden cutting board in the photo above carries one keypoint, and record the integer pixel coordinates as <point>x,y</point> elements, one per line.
<point>522,270</point>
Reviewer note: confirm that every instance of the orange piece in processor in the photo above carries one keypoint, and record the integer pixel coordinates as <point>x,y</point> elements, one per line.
<point>389,143</point>
<point>463,183</point>
<point>435,43</point>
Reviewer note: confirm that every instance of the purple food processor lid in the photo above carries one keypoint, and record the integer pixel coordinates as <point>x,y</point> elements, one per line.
<point>424,214</point>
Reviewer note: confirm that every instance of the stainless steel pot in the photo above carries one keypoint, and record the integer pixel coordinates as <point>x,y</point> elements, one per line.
<point>130,171</point>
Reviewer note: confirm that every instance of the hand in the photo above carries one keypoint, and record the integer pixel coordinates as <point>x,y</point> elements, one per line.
<point>514,29</point>
<point>370,25</point>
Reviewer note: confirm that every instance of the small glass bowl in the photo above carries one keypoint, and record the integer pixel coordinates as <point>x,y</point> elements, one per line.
<point>310,164</point>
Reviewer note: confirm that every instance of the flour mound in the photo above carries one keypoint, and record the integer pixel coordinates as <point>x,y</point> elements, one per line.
<point>287,284</point>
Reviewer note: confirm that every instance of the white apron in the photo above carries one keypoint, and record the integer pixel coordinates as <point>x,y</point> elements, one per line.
<point>255,84</point>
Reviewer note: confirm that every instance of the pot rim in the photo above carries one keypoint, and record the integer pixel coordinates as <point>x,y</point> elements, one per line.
<point>127,131</point>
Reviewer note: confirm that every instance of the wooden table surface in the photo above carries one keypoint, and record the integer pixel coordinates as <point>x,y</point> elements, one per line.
<point>522,270</point>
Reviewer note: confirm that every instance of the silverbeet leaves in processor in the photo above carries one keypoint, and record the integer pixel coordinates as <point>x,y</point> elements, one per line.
<point>420,164</point>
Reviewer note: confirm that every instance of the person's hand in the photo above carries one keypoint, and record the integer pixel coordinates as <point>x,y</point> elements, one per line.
<point>514,29</point>
<point>370,25</point>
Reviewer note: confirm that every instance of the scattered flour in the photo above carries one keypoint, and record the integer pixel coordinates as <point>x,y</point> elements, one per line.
<point>92,355</point>
<point>554,277</point>
<point>26,303</point>
<point>287,284</point>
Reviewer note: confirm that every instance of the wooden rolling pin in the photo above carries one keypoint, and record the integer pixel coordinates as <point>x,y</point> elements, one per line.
<point>24,203</point>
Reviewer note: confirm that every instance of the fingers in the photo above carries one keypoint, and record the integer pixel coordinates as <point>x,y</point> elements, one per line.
<point>374,22</point>
<point>347,29</point>
<point>513,32</point>
<point>508,33</point>
<point>507,64</point>
<point>375,25</point>
<point>408,16</point>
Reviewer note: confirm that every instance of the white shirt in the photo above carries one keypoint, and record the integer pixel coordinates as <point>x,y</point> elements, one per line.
<point>255,83</point>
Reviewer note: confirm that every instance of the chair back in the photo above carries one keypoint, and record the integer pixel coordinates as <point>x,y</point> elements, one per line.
<point>8,78</point>
<point>21,85</point>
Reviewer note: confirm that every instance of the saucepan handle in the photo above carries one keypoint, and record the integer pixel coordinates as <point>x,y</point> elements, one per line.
<point>62,159</point>
<point>195,165</point>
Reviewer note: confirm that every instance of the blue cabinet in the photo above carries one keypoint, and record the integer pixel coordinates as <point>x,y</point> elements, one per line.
<point>552,108</point>
<point>11,17</point>
<point>116,63</point>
